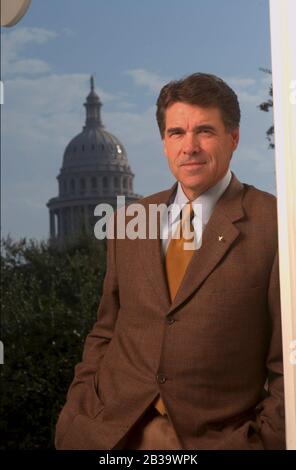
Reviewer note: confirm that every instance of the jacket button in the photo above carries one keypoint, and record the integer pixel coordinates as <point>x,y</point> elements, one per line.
<point>161,378</point>
<point>171,320</point>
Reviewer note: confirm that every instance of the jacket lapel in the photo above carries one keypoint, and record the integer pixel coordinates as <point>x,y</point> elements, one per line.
<point>221,224</point>
<point>151,256</point>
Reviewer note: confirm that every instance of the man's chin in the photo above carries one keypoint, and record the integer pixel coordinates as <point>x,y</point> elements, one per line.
<point>193,182</point>
<point>193,187</point>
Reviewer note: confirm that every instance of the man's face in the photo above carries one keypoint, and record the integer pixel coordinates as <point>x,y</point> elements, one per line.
<point>197,146</point>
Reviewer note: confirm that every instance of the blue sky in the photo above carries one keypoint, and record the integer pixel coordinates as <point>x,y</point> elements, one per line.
<point>132,48</point>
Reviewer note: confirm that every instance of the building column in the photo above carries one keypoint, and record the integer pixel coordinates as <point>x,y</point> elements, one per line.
<point>86,224</point>
<point>72,228</point>
<point>58,213</point>
<point>52,224</point>
<point>63,222</point>
<point>100,185</point>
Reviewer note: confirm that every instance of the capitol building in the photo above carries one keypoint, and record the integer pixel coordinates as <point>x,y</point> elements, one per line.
<point>95,170</point>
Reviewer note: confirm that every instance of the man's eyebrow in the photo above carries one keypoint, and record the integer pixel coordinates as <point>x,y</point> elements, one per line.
<point>203,127</point>
<point>174,129</point>
<point>199,128</point>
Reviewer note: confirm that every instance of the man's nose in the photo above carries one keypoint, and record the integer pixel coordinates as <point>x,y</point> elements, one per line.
<point>191,143</point>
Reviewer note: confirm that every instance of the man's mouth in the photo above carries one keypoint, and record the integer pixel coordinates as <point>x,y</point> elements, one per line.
<point>193,164</point>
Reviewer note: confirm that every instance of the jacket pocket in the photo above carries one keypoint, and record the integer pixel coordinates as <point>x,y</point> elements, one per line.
<point>98,403</point>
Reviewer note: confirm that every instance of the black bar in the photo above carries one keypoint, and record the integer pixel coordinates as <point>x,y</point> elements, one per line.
<point>136,459</point>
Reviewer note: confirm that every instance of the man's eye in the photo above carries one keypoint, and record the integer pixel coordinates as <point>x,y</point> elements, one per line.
<point>175,134</point>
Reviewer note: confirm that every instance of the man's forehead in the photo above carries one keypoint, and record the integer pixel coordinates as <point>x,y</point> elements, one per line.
<point>180,112</point>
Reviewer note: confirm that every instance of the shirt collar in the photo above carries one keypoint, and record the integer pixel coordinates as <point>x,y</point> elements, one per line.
<point>208,199</point>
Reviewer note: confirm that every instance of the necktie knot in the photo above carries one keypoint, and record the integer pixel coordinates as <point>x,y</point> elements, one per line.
<point>187,210</point>
<point>187,214</point>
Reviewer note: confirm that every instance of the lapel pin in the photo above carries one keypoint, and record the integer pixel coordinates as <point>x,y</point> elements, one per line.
<point>221,238</point>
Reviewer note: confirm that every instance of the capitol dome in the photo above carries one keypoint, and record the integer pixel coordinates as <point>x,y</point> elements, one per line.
<point>94,146</point>
<point>95,170</point>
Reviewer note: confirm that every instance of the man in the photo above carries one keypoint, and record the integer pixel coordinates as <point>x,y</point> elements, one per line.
<point>186,352</point>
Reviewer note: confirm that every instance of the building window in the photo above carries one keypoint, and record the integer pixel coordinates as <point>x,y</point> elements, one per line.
<point>105,182</point>
<point>72,186</point>
<point>82,185</point>
<point>82,148</point>
<point>116,182</point>
<point>93,146</point>
<point>94,183</point>
<point>65,187</point>
<point>124,183</point>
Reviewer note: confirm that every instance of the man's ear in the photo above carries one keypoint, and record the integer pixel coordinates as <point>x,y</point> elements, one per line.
<point>235,138</point>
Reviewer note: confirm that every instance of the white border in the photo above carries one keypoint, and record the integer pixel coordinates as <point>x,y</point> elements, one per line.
<point>283,52</point>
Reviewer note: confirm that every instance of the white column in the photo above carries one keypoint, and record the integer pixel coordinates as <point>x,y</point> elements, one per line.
<point>283,52</point>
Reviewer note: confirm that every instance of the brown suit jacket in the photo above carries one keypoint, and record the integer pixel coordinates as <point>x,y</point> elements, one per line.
<point>214,354</point>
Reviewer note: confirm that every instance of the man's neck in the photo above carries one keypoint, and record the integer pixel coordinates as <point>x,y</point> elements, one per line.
<point>193,194</point>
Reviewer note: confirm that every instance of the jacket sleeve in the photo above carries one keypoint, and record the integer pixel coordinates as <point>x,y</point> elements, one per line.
<point>271,411</point>
<point>82,397</point>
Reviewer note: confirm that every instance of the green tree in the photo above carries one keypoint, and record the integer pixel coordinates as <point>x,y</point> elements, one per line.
<point>265,106</point>
<point>49,303</point>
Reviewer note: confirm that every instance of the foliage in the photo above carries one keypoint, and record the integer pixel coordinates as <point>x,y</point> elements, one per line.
<point>49,303</point>
<point>265,106</point>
